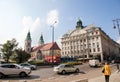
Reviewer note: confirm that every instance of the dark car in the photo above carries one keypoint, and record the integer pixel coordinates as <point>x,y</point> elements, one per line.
<point>117,60</point>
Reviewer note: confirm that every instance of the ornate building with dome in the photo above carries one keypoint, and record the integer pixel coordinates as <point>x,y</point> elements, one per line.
<point>88,42</point>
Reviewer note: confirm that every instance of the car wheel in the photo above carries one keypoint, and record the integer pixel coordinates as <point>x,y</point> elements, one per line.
<point>32,68</point>
<point>23,74</point>
<point>63,72</point>
<point>1,75</point>
<point>77,70</point>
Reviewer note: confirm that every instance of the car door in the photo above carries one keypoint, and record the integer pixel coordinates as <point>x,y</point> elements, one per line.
<point>66,68</point>
<point>9,69</point>
<point>72,68</point>
<point>69,68</point>
<point>5,69</point>
<point>15,69</point>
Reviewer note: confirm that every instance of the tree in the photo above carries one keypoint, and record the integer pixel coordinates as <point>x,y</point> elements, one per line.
<point>8,49</point>
<point>20,56</point>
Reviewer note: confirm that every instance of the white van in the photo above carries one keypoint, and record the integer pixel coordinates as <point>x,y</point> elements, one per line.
<point>94,63</point>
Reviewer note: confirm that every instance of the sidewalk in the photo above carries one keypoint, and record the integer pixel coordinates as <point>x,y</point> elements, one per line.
<point>115,77</point>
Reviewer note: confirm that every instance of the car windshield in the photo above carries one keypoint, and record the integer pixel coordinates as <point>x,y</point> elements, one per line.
<point>18,66</point>
<point>61,65</point>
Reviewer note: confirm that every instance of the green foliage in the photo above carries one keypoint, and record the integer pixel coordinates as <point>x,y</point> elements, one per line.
<point>20,56</point>
<point>8,49</point>
<point>73,63</point>
<point>37,62</point>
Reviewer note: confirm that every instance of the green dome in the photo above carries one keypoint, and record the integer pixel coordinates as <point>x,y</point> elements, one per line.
<point>79,24</point>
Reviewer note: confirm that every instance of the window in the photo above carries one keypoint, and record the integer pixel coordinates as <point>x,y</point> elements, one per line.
<point>81,41</point>
<point>5,66</point>
<point>97,44</point>
<point>96,32</point>
<point>68,66</point>
<point>90,50</point>
<point>98,49</point>
<point>28,44</point>
<point>12,66</point>
<point>93,44</point>
<point>89,39</point>
<point>89,45</point>
<point>8,66</point>
<point>94,50</point>
<point>84,40</point>
<point>97,38</point>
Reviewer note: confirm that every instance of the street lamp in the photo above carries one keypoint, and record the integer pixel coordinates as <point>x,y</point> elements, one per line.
<point>116,24</point>
<point>53,41</point>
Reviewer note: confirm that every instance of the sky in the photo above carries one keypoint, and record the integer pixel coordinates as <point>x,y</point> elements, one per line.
<point>17,17</point>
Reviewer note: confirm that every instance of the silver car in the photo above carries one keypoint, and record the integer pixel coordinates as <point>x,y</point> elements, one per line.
<point>65,68</point>
<point>13,69</point>
<point>32,67</point>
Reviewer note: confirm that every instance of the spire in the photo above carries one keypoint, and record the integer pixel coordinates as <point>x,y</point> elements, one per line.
<point>41,41</point>
<point>79,24</point>
<point>28,40</point>
<point>28,36</point>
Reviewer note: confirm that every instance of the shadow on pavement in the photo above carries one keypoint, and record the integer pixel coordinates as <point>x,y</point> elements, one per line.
<point>82,72</point>
<point>30,77</point>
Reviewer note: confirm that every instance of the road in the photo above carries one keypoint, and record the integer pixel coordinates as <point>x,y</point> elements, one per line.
<point>47,72</point>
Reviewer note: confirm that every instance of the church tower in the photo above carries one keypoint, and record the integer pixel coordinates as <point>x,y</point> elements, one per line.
<point>28,43</point>
<point>41,40</point>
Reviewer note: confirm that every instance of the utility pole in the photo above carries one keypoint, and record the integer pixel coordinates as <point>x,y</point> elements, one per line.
<point>53,42</point>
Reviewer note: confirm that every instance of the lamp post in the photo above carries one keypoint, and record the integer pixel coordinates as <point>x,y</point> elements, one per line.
<point>116,24</point>
<point>53,42</point>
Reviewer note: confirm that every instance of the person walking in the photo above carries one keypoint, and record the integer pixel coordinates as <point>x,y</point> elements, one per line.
<point>107,71</point>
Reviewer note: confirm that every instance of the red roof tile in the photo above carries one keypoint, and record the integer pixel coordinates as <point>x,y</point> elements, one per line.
<point>47,46</point>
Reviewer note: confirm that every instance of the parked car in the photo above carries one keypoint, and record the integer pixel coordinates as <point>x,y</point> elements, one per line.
<point>117,60</point>
<point>13,69</point>
<point>94,63</point>
<point>32,67</point>
<point>65,68</point>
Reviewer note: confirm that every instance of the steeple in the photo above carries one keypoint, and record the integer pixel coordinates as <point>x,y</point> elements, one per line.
<point>28,36</point>
<point>28,41</point>
<point>79,24</point>
<point>41,41</point>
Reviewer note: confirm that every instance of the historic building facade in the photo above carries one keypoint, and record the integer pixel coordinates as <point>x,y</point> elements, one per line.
<point>42,49</point>
<point>88,42</point>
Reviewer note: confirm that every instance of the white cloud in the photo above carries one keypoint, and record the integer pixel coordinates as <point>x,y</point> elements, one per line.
<point>28,24</point>
<point>52,16</point>
<point>35,26</point>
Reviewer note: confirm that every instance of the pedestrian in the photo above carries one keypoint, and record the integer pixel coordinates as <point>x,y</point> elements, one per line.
<point>118,68</point>
<point>107,71</point>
